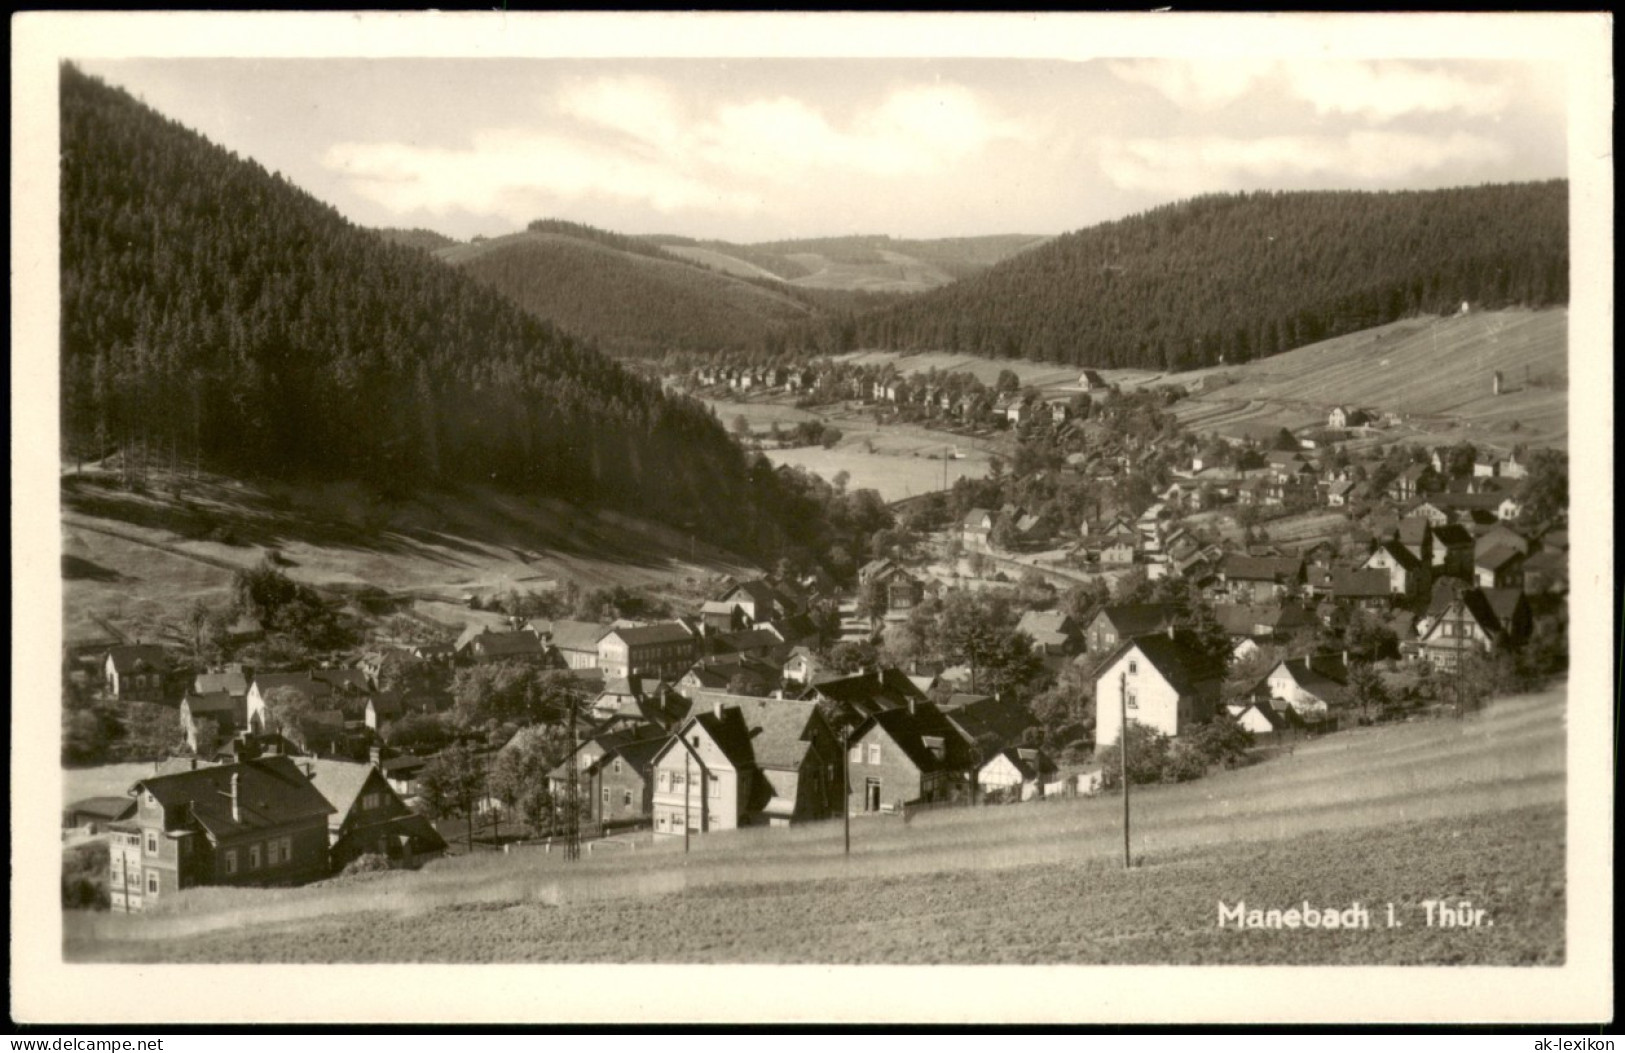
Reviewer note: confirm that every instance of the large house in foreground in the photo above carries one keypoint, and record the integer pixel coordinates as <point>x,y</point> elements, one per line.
<point>261,822</point>
<point>1163,680</point>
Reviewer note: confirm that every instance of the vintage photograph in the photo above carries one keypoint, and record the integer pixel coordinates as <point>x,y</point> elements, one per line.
<point>662,503</point>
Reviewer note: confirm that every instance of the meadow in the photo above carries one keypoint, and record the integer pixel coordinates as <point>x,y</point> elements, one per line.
<point>1470,809</point>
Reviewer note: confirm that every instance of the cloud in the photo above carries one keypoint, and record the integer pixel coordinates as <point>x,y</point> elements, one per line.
<point>1183,166</point>
<point>1375,91</point>
<point>633,139</point>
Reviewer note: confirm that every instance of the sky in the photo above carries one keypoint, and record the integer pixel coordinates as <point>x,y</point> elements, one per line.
<point>749,150</point>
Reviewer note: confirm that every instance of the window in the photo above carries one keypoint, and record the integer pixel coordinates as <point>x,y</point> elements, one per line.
<point>856,756</point>
<point>148,799</point>
<point>273,853</point>
<point>626,798</point>
<point>874,753</point>
<point>716,787</point>
<point>253,857</point>
<point>231,861</point>
<point>287,849</point>
<point>152,843</point>
<point>1133,667</point>
<point>1132,698</point>
<point>604,796</point>
<point>617,765</point>
<point>152,882</point>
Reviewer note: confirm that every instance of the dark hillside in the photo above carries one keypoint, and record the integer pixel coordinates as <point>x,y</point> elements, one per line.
<point>210,309</point>
<point>1238,277</point>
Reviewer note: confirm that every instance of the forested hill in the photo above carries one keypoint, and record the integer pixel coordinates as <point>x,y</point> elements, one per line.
<point>1242,276</point>
<point>631,301</point>
<point>210,307</point>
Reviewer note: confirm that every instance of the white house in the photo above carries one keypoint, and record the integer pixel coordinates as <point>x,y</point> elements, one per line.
<point>1162,680</point>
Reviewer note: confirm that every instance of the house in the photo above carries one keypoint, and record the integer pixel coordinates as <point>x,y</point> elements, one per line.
<point>1114,624</point>
<point>1474,620</point>
<point>260,822</point>
<point>1510,508</point>
<point>1017,772</point>
<point>1499,567</point>
<point>577,642</point>
<point>135,672</point>
<point>975,528</point>
<point>1256,624</point>
<point>1264,720</point>
<point>1407,574</point>
<point>370,818</point>
<point>614,774</point>
<point>1011,408</point>
<point>1163,680</point>
<point>385,708</point>
<point>1089,380</point>
<point>401,772</point>
<point>903,591</point>
<point>906,755</point>
<point>92,815</point>
<point>1452,551</point>
<point>1512,468</point>
<point>988,725</point>
<point>746,762</point>
<point>1370,590</point>
<point>1033,528</point>
<point>1500,535</point>
<point>1546,572</point>
<point>1411,482</point>
<point>1119,551</point>
<point>763,644</point>
<point>717,616</point>
<point>1052,632</point>
<point>737,674</point>
<point>1260,579</point>
<point>1310,687</point>
<point>1345,417</point>
<point>803,668</point>
<point>1338,494</point>
<point>518,645</point>
<point>319,692</point>
<point>230,716</point>
<point>664,650</point>
<point>759,601</point>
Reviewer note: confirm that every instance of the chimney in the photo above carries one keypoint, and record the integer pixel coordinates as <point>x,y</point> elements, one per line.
<point>194,763</point>
<point>716,710</point>
<point>236,788</point>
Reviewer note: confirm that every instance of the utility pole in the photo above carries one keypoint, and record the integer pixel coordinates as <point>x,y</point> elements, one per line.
<point>1122,756</point>
<point>572,815</point>
<point>686,793</point>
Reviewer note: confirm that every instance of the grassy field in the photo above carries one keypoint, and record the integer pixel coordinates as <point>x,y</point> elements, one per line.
<point>1435,372</point>
<point>129,555</point>
<point>1450,810</point>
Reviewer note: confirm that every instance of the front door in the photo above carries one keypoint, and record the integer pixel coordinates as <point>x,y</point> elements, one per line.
<point>871,795</point>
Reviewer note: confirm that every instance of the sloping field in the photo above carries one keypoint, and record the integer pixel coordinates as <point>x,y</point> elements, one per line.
<point>147,553</point>
<point>1435,372</point>
<point>721,261</point>
<point>1450,810</point>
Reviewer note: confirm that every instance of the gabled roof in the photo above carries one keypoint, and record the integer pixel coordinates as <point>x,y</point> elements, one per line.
<point>216,704</point>
<point>975,517</point>
<point>1133,619</point>
<point>1504,604</point>
<point>109,808</point>
<point>304,682</point>
<point>1029,764</point>
<point>760,592</point>
<point>1400,554</point>
<point>1176,657</point>
<point>578,636</point>
<point>272,793</point>
<point>1047,627</point>
<point>1243,619</point>
<point>868,692</point>
<point>1323,675</point>
<point>988,722</point>
<point>518,642</point>
<point>131,658</point>
<point>340,782</point>
<point>343,679</point>
<point>659,633</point>
<point>910,728</point>
<point>748,640</point>
<point>1452,534</point>
<point>1496,557</point>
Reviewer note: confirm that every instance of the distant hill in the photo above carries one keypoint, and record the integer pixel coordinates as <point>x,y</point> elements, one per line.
<point>210,309</point>
<point>636,302</point>
<point>416,238</point>
<point>1242,276</point>
<point>874,263</point>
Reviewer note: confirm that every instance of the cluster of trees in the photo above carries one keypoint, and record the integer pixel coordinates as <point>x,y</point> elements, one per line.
<point>211,308</point>
<point>1154,757</point>
<point>1238,277</point>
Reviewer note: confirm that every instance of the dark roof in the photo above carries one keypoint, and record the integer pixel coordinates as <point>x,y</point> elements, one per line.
<point>1360,584</point>
<point>1496,556</point>
<point>1503,603</point>
<point>109,808</point>
<point>868,692</point>
<point>974,517</point>
<point>1030,764</point>
<point>1322,675</point>
<point>353,679</point>
<point>760,591</point>
<point>577,636</point>
<point>1237,567</point>
<point>1452,534</point>
<point>1401,555</point>
<point>130,658</point>
<point>910,728</point>
<point>1241,619</point>
<point>662,632</point>
<point>214,704</point>
<point>990,723</point>
<point>1132,619</point>
<point>729,732</point>
<point>1176,657</point>
<point>272,793</point>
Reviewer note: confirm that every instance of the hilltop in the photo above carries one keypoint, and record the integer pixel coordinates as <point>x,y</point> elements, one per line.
<point>868,262</point>
<point>1238,277</point>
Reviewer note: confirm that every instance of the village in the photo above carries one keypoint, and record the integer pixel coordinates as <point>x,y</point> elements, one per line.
<point>985,651</point>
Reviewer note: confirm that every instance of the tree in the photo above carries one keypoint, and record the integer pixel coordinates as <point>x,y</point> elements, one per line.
<point>290,713</point>
<point>1367,690</point>
<point>206,628</point>
<point>829,437</point>
<point>419,732</point>
<point>399,673</point>
<point>519,779</point>
<point>86,735</point>
<point>1222,740</point>
<point>1459,459</point>
<point>741,426</point>
<point>1284,441</point>
<point>873,600</point>
<point>1147,753</point>
<point>208,737</point>
<point>851,656</point>
<point>452,784</point>
<point>1544,496</point>
<point>1007,382</point>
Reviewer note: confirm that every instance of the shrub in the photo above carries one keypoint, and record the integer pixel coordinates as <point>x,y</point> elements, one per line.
<point>1185,762</point>
<point>369,863</point>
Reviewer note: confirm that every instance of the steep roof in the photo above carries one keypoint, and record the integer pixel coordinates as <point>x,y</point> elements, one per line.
<point>1029,764</point>
<point>340,782</point>
<point>109,808</point>
<point>1176,657</point>
<point>748,640</point>
<point>233,679</point>
<point>910,729</point>
<point>1400,554</point>
<point>1324,675</point>
<point>1503,603</point>
<point>131,658</point>
<point>988,722</point>
<point>577,636</point>
<point>1133,619</point>
<point>272,793</point>
<point>1360,584</point>
<point>760,591</point>
<point>302,682</point>
<point>868,692</point>
<point>659,633</point>
<point>1497,556</point>
<point>1452,534</point>
<point>1237,567</point>
<point>1243,619</point>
